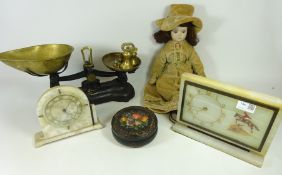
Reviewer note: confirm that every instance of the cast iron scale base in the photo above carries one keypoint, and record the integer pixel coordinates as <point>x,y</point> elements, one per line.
<point>98,92</point>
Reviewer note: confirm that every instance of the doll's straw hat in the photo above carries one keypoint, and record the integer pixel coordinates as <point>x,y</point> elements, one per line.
<point>179,14</point>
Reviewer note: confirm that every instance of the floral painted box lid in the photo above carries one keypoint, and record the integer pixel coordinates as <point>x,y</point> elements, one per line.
<point>134,126</point>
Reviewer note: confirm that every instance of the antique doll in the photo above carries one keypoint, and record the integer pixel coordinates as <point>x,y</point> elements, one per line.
<point>179,33</point>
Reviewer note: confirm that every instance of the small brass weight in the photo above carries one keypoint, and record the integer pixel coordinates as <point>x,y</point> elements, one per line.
<point>126,61</point>
<point>129,56</point>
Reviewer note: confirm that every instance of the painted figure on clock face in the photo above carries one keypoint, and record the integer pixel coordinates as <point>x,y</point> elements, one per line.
<point>178,32</point>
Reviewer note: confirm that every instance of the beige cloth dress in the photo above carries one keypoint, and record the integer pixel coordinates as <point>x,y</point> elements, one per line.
<point>162,91</point>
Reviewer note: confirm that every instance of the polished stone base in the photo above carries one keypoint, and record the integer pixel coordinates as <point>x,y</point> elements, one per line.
<point>245,155</point>
<point>41,140</point>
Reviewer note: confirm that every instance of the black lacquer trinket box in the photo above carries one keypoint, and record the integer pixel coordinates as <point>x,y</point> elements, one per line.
<point>134,126</point>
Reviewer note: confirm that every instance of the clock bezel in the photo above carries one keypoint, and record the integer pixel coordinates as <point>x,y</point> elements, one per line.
<point>58,91</point>
<point>51,118</point>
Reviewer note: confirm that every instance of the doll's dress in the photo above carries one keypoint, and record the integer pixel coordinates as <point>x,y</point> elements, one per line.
<point>162,91</point>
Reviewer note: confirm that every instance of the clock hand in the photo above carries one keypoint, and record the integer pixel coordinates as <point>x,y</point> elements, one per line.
<point>71,108</point>
<point>68,105</point>
<point>200,108</point>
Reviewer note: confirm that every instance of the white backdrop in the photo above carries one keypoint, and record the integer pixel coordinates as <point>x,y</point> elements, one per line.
<point>240,44</point>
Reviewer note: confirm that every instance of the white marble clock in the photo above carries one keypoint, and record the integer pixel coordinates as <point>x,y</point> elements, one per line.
<point>64,111</point>
<point>234,120</point>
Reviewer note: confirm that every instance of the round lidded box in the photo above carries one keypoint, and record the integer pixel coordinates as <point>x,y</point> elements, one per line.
<point>134,126</point>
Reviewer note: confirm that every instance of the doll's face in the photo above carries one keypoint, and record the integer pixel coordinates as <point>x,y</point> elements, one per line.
<point>179,33</point>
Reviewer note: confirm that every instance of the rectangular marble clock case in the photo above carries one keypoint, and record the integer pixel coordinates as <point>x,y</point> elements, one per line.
<point>236,121</point>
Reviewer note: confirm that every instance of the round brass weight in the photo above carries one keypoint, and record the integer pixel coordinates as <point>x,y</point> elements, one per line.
<point>126,61</point>
<point>114,61</point>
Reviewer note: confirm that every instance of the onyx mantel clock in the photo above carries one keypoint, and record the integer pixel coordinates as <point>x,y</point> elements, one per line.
<point>234,120</point>
<point>64,111</point>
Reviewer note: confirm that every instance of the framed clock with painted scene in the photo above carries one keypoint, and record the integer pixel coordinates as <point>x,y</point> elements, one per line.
<point>244,120</point>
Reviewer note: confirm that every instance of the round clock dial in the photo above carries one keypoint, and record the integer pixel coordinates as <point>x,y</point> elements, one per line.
<point>62,106</point>
<point>205,108</point>
<point>63,110</point>
<point>202,106</point>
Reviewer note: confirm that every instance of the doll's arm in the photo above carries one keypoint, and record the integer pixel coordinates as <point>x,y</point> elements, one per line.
<point>158,66</point>
<point>197,65</point>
